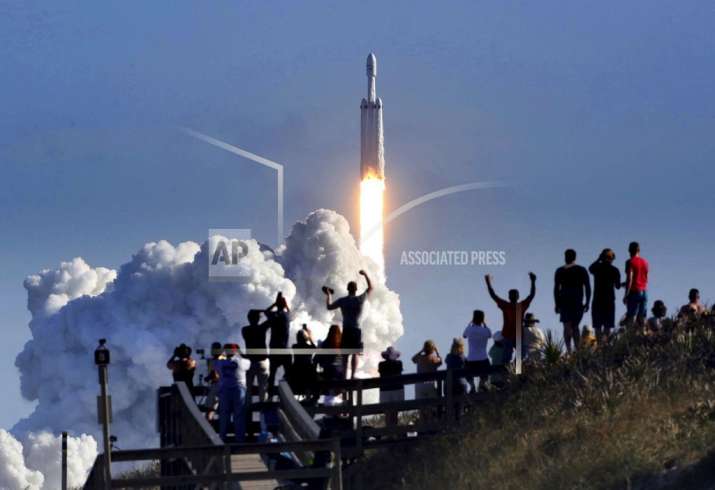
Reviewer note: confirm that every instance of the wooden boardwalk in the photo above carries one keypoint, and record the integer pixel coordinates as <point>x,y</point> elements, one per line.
<point>244,463</point>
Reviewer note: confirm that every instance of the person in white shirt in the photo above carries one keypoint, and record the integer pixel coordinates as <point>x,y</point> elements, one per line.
<point>478,334</point>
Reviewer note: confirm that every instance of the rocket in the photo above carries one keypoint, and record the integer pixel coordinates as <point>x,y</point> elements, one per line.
<point>372,151</point>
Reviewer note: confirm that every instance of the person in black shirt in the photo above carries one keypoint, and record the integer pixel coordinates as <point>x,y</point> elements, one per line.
<point>182,366</point>
<point>279,325</point>
<point>570,281</point>
<point>606,279</point>
<point>302,376</point>
<point>254,335</point>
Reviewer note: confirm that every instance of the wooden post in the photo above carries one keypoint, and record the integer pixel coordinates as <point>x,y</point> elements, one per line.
<point>336,481</point>
<point>358,415</point>
<point>227,464</point>
<point>64,460</point>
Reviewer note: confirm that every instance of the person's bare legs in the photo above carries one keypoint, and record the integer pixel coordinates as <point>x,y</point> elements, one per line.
<point>576,336</point>
<point>568,330</point>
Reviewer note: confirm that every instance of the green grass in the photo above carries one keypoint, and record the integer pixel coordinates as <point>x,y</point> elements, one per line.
<point>637,413</point>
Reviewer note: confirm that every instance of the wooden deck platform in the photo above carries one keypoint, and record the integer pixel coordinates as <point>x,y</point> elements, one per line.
<point>244,463</point>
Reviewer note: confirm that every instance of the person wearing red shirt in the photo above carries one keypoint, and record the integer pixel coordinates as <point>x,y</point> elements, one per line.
<point>636,286</point>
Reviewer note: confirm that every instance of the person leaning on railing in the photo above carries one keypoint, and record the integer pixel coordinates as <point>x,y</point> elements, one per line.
<point>390,367</point>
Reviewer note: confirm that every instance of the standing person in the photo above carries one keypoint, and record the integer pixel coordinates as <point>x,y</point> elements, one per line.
<point>606,279</point>
<point>232,392</point>
<point>693,310</point>
<point>513,313</point>
<point>570,282</point>
<point>333,363</point>
<point>636,294</point>
<point>351,309</point>
<point>498,369</point>
<point>254,335</point>
<point>477,334</point>
<point>182,366</point>
<point>302,376</point>
<point>390,367</point>
<point>279,324</point>
<point>455,360</point>
<point>428,360</point>
<point>212,378</point>
<point>534,338</point>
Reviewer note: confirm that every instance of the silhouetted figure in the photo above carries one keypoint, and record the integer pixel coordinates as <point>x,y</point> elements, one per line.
<point>254,335</point>
<point>351,309</point>
<point>606,279</point>
<point>655,323</point>
<point>636,294</point>
<point>212,378</point>
<point>302,375</point>
<point>279,325</point>
<point>390,367</point>
<point>570,282</point>
<point>498,369</point>
<point>232,392</point>
<point>477,334</point>
<point>513,312</point>
<point>182,366</point>
<point>693,310</point>
<point>332,361</point>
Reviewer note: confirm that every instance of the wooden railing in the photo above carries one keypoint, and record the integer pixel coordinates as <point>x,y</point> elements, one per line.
<point>192,453</point>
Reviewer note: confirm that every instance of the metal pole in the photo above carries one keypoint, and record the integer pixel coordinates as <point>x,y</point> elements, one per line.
<point>64,461</point>
<point>103,376</point>
<point>519,321</point>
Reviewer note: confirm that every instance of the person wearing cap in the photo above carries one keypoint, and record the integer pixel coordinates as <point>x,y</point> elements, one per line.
<point>534,338</point>
<point>390,367</point>
<point>478,334</point>
<point>232,392</point>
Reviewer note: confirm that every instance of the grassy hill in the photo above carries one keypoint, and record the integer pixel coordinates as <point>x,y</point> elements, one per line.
<point>638,413</point>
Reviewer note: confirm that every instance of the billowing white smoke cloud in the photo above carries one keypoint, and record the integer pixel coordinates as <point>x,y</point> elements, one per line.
<point>13,472</point>
<point>161,298</point>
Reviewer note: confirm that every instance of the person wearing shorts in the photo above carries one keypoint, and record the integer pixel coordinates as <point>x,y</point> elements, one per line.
<point>606,279</point>
<point>570,282</point>
<point>351,309</point>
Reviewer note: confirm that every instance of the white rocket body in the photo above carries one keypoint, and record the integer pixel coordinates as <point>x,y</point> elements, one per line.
<point>372,152</point>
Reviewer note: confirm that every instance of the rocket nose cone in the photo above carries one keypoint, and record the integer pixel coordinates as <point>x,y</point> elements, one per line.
<point>372,65</point>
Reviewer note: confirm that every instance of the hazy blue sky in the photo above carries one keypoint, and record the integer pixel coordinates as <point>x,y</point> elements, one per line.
<point>600,114</point>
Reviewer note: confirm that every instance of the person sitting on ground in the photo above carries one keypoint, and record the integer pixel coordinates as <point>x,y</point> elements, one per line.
<point>254,335</point>
<point>606,279</point>
<point>498,369</point>
<point>534,339</point>
<point>351,307</point>
<point>182,366</point>
<point>588,338</point>
<point>428,360</point>
<point>513,313</point>
<point>390,367</point>
<point>654,325</point>
<point>693,310</point>
<point>636,288</point>
<point>570,283</point>
<point>455,360</point>
<point>212,378</point>
<point>232,392</point>
<point>302,375</point>
<point>477,334</point>
<point>279,324</point>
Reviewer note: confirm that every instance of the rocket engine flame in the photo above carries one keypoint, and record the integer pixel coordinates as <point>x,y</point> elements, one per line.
<point>371,216</point>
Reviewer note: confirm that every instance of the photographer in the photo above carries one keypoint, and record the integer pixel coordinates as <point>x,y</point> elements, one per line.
<point>182,366</point>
